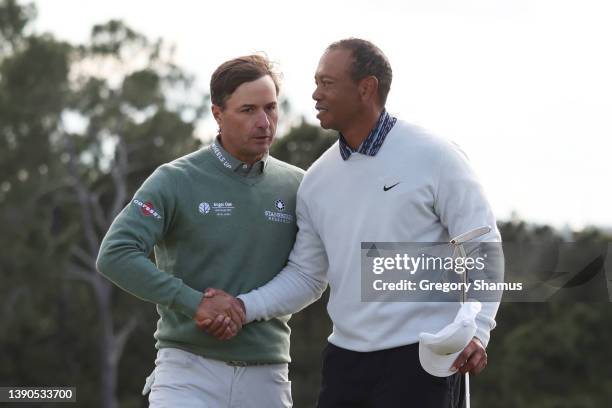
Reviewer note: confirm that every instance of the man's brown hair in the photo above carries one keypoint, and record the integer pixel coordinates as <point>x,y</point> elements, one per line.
<point>235,72</point>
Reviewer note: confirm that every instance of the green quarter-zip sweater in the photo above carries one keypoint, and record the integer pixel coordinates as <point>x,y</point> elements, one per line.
<point>212,222</point>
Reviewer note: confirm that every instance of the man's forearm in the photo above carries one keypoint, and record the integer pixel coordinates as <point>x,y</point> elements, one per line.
<point>136,274</point>
<point>289,292</point>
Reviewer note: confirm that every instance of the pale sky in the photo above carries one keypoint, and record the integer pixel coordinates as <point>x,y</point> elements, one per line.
<point>523,86</point>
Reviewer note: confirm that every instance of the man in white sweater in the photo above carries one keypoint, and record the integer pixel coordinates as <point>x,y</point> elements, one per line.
<point>383,181</point>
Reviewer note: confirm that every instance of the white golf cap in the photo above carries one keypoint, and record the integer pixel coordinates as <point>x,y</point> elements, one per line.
<point>438,352</point>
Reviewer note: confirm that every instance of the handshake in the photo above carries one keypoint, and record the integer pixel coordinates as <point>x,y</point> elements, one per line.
<point>220,314</point>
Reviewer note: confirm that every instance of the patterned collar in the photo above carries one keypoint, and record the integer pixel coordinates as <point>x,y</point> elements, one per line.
<point>371,145</point>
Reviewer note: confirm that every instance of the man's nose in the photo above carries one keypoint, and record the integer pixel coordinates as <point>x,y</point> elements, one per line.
<point>316,94</point>
<point>263,121</point>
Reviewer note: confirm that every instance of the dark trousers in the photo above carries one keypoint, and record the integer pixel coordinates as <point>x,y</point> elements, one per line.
<point>390,378</point>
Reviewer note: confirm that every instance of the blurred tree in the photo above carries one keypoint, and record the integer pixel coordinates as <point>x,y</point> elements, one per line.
<point>549,354</point>
<point>82,126</point>
<point>302,144</point>
<point>33,87</point>
<point>13,20</point>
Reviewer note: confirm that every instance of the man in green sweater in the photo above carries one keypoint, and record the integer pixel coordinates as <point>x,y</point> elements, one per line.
<point>223,217</point>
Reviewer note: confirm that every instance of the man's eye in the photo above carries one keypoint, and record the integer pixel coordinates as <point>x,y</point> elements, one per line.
<point>247,110</point>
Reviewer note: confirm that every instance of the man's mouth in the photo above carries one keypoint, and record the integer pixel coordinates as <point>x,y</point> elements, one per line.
<point>261,138</point>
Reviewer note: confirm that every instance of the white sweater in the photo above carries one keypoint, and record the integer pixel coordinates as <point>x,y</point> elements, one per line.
<point>342,203</point>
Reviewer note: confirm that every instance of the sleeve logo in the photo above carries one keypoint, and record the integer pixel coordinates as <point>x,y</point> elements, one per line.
<point>147,209</point>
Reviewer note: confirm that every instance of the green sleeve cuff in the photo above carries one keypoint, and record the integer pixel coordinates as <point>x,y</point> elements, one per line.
<point>187,300</point>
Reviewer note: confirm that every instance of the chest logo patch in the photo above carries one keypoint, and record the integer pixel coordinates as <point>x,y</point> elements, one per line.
<point>204,208</point>
<point>220,209</point>
<point>278,214</point>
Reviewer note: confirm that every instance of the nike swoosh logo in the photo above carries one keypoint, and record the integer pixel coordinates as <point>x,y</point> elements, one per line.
<point>385,188</point>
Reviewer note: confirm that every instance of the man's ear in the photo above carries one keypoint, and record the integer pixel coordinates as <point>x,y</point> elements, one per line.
<point>216,112</point>
<point>368,88</point>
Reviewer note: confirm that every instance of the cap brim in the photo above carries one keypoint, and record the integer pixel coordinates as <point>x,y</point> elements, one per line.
<point>436,364</point>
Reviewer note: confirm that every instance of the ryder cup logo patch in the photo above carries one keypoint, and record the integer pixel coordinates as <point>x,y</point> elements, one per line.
<point>147,209</point>
<point>278,215</point>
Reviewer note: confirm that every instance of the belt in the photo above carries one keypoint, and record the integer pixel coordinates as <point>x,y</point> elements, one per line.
<point>235,363</point>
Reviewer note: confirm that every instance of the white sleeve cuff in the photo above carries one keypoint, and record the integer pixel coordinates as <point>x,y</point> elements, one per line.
<point>484,325</point>
<point>253,306</point>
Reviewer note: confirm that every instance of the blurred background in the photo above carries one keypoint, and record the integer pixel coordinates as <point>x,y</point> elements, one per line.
<point>95,95</point>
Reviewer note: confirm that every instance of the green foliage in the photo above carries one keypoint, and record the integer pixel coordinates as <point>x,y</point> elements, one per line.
<point>80,128</point>
<point>547,354</point>
<point>13,20</point>
<point>141,89</point>
<point>303,144</point>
